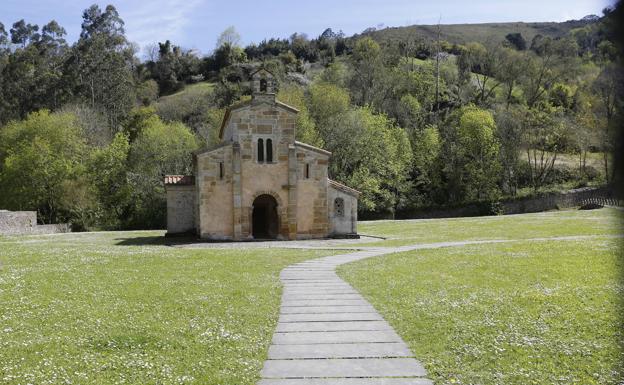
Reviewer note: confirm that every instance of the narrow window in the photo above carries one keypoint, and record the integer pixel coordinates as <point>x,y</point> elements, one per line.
<point>307,171</point>
<point>220,170</point>
<point>260,150</point>
<point>339,207</point>
<point>263,85</point>
<point>269,152</point>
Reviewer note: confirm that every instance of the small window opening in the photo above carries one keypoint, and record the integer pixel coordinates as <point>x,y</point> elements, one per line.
<point>269,150</point>
<point>263,85</point>
<point>260,150</point>
<point>307,171</point>
<point>339,207</point>
<point>220,170</point>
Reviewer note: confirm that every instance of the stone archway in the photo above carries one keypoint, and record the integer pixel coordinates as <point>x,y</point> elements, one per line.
<point>264,217</point>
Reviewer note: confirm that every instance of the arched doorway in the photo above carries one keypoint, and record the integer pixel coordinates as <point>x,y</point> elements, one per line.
<point>264,219</point>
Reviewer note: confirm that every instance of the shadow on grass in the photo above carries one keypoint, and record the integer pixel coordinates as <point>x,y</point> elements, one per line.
<point>155,241</point>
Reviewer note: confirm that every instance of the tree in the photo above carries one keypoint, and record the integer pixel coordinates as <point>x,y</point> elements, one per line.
<point>516,41</point>
<point>484,65</point>
<point>101,64</point>
<point>160,148</point>
<point>367,63</point>
<point>23,33</point>
<point>230,37</point>
<point>550,62</point>
<point>305,130</point>
<point>38,157</point>
<point>543,139</point>
<point>327,102</point>
<point>370,152</point>
<point>108,171</point>
<point>608,88</point>
<point>471,151</point>
<point>510,71</point>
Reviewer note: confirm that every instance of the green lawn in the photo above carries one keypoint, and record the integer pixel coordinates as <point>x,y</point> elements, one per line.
<point>538,312</point>
<point>124,308</point>
<point>114,308</point>
<point>547,224</point>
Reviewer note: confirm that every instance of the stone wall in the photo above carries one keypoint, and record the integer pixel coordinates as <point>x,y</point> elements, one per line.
<point>214,209</point>
<point>343,220</point>
<point>180,209</point>
<point>545,202</point>
<point>311,199</point>
<point>25,222</point>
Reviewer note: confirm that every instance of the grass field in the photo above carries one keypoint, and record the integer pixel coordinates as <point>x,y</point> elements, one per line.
<point>524,312</point>
<point>112,308</point>
<point>547,224</point>
<point>124,308</point>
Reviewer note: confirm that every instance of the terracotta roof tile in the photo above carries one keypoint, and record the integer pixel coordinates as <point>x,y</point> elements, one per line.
<point>179,180</point>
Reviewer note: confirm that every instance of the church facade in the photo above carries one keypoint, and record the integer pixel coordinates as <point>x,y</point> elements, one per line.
<point>259,182</point>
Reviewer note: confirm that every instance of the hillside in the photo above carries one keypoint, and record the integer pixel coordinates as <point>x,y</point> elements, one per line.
<point>464,33</point>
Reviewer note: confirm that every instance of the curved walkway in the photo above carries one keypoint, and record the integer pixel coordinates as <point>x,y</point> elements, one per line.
<point>328,334</point>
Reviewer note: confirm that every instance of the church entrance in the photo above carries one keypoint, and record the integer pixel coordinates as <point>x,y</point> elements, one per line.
<point>265,222</point>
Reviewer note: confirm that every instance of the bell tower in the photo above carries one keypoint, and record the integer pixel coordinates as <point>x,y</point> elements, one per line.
<point>262,83</point>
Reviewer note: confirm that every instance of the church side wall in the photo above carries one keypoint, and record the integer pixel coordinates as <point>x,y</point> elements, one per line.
<point>180,209</point>
<point>215,194</point>
<point>342,221</point>
<point>312,219</point>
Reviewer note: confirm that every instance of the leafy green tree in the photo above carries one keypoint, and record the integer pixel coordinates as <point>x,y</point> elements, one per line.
<point>39,156</point>
<point>23,33</point>
<point>305,130</point>
<point>471,154</point>
<point>160,148</point>
<point>326,102</point>
<point>543,140</point>
<point>369,152</point>
<point>367,64</point>
<point>484,65</point>
<point>108,171</point>
<point>426,146</point>
<point>516,41</point>
<point>101,64</point>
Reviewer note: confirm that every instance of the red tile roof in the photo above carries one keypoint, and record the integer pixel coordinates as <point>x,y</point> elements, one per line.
<point>180,180</point>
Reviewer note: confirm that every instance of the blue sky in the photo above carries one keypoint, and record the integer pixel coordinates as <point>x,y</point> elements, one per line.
<point>197,23</point>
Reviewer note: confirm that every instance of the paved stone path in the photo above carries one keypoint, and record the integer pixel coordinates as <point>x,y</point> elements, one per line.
<point>328,334</point>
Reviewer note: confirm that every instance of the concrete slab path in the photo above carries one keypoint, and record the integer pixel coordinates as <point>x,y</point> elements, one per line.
<point>328,334</point>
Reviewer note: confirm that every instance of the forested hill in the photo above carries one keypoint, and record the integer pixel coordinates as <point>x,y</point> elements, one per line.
<point>483,33</point>
<point>486,112</point>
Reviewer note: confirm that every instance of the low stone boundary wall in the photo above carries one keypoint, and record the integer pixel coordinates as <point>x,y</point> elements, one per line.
<point>559,200</point>
<point>25,222</point>
<point>549,201</point>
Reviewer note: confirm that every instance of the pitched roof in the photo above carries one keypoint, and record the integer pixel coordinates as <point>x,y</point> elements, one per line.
<point>179,180</point>
<point>343,188</point>
<point>312,148</point>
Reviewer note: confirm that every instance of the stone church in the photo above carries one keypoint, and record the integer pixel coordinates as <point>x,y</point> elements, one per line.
<point>259,182</point>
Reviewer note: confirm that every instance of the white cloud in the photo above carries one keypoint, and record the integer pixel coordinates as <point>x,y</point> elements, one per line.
<point>157,20</point>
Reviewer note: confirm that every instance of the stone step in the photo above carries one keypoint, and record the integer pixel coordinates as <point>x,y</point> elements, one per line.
<point>331,326</point>
<point>365,367</point>
<point>335,337</point>
<point>326,351</point>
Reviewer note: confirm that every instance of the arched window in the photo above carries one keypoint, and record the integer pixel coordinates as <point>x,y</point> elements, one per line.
<point>260,150</point>
<point>269,150</point>
<point>339,207</point>
<point>263,85</point>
